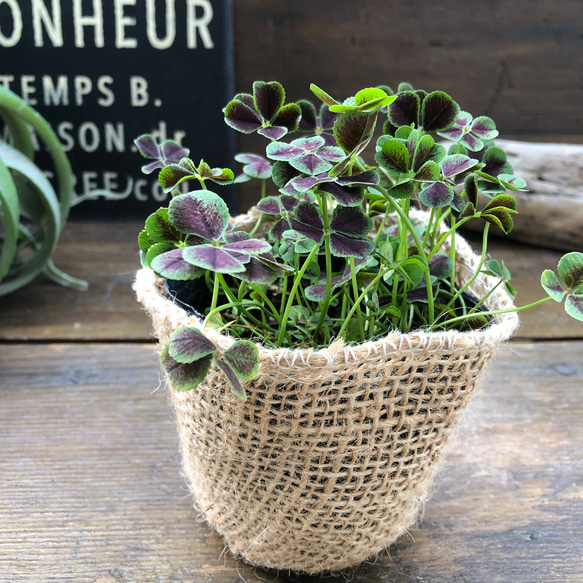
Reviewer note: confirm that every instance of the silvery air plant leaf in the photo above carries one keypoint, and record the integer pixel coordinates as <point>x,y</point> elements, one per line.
<point>471,133</point>
<point>570,270</point>
<point>188,356</point>
<point>263,112</point>
<point>167,152</point>
<point>204,216</point>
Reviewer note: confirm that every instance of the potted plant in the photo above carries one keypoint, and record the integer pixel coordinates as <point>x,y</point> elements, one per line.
<point>321,347</point>
<point>32,212</point>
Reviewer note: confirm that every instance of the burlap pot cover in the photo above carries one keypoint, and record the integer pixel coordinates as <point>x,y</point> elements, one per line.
<point>332,456</point>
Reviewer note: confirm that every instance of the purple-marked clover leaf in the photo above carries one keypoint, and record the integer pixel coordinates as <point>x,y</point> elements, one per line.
<point>185,376</point>
<point>234,382</point>
<point>167,152</point>
<point>158,236</point>
<point>440,266</point>
<point>309,156</point>
<point>346,190</point>
<point>175,174</point>
<point>319,123</point>
<point>350,227</point>
<point>570,270</point>
<point>438,111</point>
<point>317,292</point>
<point>202,213</point>
<point>498,212</point>
<point>456,167</point>
<point>404,111</point>
<point>172,265</point>
<point>471,133</point>
<point>495,162</point>
<point>243,358</point>
<point>353,131</point>
<point>307,221</point>
<point>188,344</point>
<point>254,167</point>
<point>263,112</point>
<point>432,112</point>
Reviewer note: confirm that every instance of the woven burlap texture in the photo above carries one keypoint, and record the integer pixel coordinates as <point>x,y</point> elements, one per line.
<point>332,456</point>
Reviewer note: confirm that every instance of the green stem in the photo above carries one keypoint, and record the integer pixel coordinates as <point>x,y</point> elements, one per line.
<point>297,280</point>
<point>464,287</point>
<point>356,297</point>
<point>323,201</point>
<point>216,287</point>
<point>358,301</point>
<point>495,312</point>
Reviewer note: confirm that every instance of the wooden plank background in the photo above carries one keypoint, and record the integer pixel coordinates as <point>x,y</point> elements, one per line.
<point>520,62</point>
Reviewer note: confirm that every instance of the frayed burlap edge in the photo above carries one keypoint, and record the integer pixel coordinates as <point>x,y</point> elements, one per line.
<point>333,455</point>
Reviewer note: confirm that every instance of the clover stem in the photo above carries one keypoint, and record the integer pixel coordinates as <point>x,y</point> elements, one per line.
<point>297,280</point>
<point>476,272</point>
<point>216,287</point>
<point>495,312</point>
<point>382,225</point>
<point>452,254</point>
<point>403,215</point>
<point>357,298</point>
<point>323,201</point>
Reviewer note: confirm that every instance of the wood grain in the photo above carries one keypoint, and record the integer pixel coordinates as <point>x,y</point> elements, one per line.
<point>106,255</point>
<point>516,62</point>
<point>90,485</point>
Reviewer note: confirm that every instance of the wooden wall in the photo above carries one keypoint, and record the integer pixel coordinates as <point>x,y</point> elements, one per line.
<point>519,62</point>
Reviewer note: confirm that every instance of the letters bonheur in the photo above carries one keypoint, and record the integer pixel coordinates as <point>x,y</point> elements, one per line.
<point>48,21</point>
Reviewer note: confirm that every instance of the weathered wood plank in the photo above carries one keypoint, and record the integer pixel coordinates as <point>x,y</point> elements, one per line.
<point>90,487</point>
<point>104,254</point>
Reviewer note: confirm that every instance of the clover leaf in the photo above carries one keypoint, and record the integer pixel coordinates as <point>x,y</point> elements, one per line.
<point>189,354</point>
<point>174,174</point>
<point>471,133</point>
<point>569,284</point>
<point>255,166</point>
<point>263,112</point>
<point>166,152</point>
<point>204,217</point>
<point>317,123</point>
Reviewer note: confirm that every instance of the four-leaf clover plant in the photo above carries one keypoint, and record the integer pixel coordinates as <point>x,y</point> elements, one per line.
<point>334,249</point>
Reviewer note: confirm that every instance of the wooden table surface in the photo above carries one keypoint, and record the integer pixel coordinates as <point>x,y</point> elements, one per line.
<point>90,483</point>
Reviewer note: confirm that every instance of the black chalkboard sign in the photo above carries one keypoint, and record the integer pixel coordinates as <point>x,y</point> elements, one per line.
<point>103,72</point>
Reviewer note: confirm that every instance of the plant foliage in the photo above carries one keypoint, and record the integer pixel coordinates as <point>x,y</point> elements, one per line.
<point>336,251</point>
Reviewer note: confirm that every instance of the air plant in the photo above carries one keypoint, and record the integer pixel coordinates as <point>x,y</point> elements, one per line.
<point>32,212</point>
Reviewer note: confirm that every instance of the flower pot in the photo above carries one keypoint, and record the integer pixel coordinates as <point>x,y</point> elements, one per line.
<point>332,456</point>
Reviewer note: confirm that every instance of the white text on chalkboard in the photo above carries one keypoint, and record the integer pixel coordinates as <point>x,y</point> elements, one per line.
<point>88,26</point>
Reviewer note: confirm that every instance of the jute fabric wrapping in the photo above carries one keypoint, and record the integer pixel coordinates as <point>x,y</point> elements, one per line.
<point>332,456</point>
